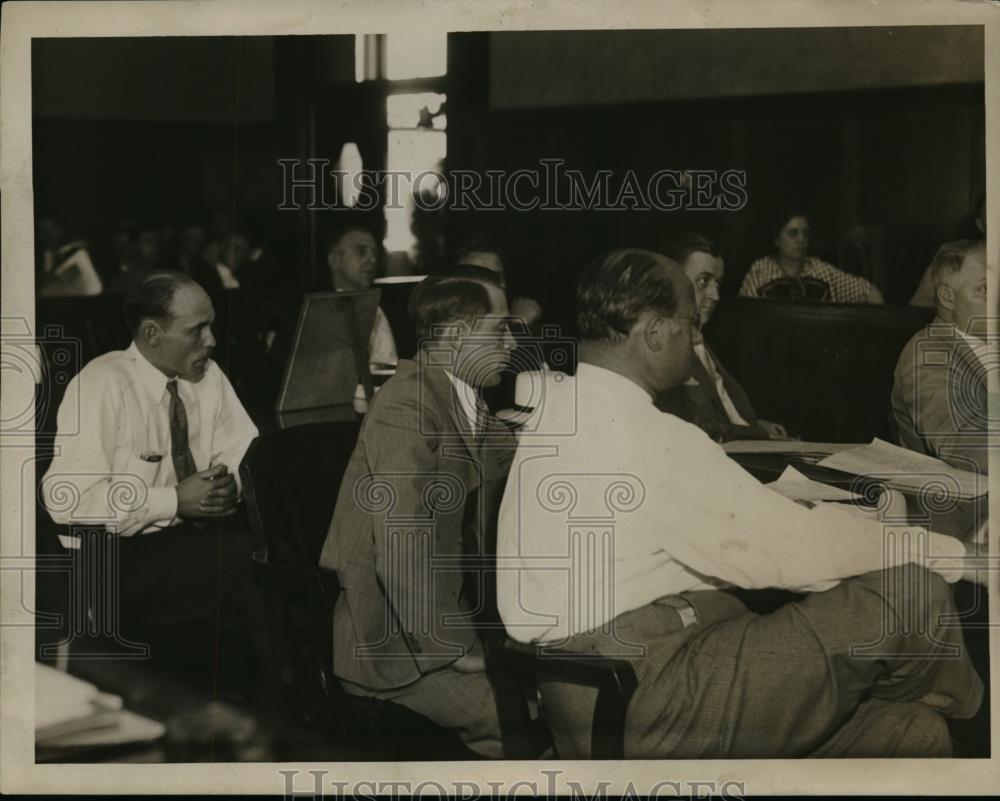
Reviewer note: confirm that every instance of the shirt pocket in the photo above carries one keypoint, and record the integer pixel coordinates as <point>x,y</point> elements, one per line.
<point>143,475</point>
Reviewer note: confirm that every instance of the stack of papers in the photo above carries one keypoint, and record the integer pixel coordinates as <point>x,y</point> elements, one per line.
<point>907,470</point>
<point>71,714</point>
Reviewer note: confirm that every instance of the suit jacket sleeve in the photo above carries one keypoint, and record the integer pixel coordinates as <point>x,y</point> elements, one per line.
<point>945,414</point>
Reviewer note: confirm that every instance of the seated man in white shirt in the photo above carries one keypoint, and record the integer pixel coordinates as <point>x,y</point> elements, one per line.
<point>149,444</point>
<point>621,528</point>
<point>352,256</point>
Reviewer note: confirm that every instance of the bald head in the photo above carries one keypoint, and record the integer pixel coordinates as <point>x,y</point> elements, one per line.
<point>617,289</point>
<point>636,315</point>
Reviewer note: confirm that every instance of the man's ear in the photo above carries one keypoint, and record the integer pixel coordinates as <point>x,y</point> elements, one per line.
<point>656,331</point>
<point>451,334</point>
<point>945,296</point>
<point>150,332</point>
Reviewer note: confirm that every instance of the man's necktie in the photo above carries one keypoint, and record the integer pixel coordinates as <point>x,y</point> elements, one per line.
<point>180,449</point>
<point>482,419</point>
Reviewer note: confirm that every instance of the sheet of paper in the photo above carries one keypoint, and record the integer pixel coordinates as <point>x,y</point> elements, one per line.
<point>60,697</point>
<point>797,487</point>
<point>903,468</point>
<point>785,446</point>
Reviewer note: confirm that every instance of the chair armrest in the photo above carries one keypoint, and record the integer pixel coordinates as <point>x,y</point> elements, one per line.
<point>301,608</point>
<point>575,667</point>
<point>300,580</point>
<point>614,679</point>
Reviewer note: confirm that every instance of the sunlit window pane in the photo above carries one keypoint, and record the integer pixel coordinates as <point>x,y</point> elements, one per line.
<point>366,47</point>
<point>415,56</point>
<point>350,164</point>
<point>409,111</point>
<point>412,152</point>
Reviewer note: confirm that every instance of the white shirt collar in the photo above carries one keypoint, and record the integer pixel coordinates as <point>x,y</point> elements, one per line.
<point>151,377</point>
<point>466,399</point>
<point>978,346</point>
<point>625,390</point>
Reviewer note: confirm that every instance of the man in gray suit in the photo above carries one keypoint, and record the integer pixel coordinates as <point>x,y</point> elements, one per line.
<point>939,398</point>
<point>417,507</point>
<point>623,536</point>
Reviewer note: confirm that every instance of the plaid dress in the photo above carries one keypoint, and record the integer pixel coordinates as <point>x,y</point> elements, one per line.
<point>817,281</point>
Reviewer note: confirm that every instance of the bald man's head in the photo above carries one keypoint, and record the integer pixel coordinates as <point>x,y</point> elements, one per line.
<point>638,307</point>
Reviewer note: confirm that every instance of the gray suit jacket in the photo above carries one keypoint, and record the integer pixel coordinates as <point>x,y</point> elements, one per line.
<point>419,500</point>
<point>939,399</point>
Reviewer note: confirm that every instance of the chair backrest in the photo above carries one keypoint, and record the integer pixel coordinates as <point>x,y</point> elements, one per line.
<point>892,256</point>
<point>861,251</point>
<point>291,478</point>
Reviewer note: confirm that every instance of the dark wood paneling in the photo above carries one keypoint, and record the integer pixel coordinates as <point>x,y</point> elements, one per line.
<point>823,370</point>
<point>874,157</point>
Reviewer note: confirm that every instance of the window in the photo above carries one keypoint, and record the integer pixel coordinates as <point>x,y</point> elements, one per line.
<point>416,139</point>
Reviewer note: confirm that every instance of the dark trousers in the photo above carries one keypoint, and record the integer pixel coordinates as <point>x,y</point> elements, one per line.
<point>184,574</point>
<point>194,573</point>
<point>866,669</point>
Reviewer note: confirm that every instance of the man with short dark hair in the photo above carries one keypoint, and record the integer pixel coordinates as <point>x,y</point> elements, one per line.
<point>939,394</point>
<point>352,256</point>
<point>149,444</point>
<point>418,499</point>
<point>711,398</point>
<point>621,529</point>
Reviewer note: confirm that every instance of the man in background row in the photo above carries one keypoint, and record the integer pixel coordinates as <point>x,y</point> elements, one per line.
<point>352,256</point>
<point>711,398</point>
<point>939,394</point>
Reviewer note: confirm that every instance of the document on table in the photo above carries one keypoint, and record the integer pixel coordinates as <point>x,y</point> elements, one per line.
<point>787,447</point>
<point>904,469</point>
<point>73,714</point>
<point>797,487</point>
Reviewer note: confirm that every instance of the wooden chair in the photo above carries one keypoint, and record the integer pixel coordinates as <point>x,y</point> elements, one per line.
<point>290,479</point>
<point>516,667</point>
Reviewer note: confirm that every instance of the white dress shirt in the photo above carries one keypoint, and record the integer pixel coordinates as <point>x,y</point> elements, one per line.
<point>466,399</point>
<point>381,352</point>
<point>720,387</point>
<point>113,464</point>
<point>630,504</point>
<point>381,344</point>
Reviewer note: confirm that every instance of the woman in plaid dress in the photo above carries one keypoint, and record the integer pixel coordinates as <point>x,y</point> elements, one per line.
<point>790,274</point>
